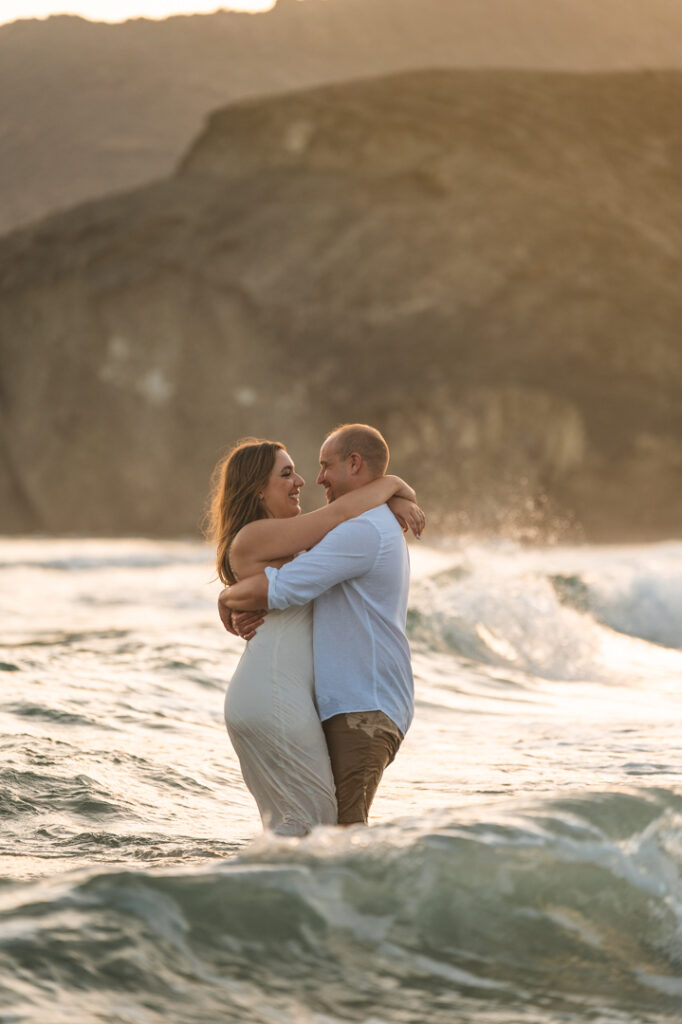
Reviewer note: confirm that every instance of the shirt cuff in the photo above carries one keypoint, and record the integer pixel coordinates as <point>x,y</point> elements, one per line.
<point>274,601</point>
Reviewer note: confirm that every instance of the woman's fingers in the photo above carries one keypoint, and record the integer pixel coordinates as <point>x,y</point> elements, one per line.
<point>409,515</point>
<point>417,522</point>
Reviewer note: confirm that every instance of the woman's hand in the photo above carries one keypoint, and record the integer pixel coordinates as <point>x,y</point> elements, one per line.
<point>408,514</point>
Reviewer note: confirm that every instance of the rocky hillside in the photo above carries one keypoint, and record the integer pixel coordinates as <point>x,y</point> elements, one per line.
<point>484,264</point>
<point>89,109</point>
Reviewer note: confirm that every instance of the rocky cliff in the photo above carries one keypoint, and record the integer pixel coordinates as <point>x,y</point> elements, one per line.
<point>486,265</point>
<point>89,109</point>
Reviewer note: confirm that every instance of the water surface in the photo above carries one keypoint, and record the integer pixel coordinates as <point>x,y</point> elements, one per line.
<point>524,861</point>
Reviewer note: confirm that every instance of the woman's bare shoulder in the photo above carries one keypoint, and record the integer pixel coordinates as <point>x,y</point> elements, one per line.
<point>245,558</point>
<point>242,541</point>
<point>251,538</point>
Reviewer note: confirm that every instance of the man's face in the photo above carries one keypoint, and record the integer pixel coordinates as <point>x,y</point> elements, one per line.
<point>334,475</point>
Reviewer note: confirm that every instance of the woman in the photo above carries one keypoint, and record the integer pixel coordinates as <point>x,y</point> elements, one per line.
<point>255,519</point>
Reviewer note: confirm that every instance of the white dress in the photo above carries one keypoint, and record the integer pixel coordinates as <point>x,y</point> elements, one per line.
<point>275,729</point>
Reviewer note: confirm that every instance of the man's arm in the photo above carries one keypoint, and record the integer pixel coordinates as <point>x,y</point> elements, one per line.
<point>250,594</point>
<point>347,552</point>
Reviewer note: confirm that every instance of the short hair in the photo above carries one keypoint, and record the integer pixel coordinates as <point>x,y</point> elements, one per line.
<point>365,441</point>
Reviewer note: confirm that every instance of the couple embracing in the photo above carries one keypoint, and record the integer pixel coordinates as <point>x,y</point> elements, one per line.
<point>323,694</point>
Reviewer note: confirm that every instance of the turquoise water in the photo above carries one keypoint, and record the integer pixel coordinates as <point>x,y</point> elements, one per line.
<point>525,858</point>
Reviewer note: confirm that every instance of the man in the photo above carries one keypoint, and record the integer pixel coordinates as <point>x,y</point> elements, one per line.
<point>358,577</point>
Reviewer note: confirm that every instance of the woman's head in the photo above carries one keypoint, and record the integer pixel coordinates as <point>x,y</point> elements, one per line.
<point>255,480</point>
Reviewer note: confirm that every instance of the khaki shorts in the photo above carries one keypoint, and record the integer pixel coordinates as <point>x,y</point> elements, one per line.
<point>361,745</point>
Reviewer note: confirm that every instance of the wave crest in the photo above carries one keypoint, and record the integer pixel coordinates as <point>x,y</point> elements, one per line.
<point>563,906</point>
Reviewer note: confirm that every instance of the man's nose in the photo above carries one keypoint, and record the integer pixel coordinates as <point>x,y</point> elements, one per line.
<point>320,477</point>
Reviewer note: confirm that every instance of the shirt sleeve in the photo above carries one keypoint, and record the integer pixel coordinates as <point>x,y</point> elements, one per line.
<point>348,551</point>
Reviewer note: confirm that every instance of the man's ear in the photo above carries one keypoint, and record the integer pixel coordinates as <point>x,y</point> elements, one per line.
<point>355,463</point>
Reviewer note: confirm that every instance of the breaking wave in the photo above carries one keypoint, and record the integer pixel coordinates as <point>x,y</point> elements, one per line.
<point>570,906</point>
<point>502,607</point>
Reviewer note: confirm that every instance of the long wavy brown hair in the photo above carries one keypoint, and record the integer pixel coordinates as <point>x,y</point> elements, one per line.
<point>236,483</point>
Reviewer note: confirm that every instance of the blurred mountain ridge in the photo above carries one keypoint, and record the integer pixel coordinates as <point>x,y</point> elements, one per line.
<point>90,108</point>
<point>485,264</point>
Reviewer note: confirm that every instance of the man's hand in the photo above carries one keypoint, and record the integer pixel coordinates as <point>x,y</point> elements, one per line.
<point>243,624</point>
<point>225,613</point>
<point>246,623</point>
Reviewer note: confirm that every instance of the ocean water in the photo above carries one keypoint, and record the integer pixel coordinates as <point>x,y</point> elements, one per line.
<point>524,863</point>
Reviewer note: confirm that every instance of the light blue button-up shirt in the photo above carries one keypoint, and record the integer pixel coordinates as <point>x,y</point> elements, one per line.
<point>358,576</point>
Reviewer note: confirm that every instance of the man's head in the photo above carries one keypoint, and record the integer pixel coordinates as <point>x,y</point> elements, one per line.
<point>352,455</point>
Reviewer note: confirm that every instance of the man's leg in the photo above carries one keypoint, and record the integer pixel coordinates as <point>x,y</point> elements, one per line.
<point>361,744</point>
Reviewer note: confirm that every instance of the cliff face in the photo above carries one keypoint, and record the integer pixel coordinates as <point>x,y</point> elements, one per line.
<point>485,265</point>
<point>90,109</point>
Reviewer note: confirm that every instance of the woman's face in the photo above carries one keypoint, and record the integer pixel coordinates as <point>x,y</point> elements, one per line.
<point>281,493</point>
